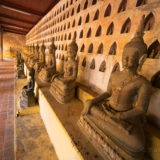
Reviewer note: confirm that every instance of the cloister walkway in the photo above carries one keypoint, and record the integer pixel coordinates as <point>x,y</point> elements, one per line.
<point>7,109</point>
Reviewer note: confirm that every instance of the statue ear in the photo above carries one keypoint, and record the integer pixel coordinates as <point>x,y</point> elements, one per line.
<point>141,62</point>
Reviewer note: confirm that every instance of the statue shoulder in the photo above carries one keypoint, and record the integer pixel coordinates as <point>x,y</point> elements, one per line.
<point>144,81</point>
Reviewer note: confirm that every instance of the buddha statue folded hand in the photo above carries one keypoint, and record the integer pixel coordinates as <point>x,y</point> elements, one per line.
<point>63,84</point>
<point>113,120</point>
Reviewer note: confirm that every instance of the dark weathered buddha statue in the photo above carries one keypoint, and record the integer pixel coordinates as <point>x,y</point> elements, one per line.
<point>27,99</point>
<point>113,120</point>
<point>41,61</point>
<point>63,84</point>
<point>50,68</point>
<point>37,52</point>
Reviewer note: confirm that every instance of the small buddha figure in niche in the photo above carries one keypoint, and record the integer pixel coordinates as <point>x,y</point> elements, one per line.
<point>63,84</point>
<point>117,114</point>
<point>27,99</point>
<point>50,68</point>
<point>41,61</point>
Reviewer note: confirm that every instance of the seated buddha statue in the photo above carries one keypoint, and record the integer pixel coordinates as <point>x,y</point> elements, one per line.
<point>113,121</point>
<point>50,68</point>
<point>41,61</point>
<point>27,99</point>
<point>63,84</point>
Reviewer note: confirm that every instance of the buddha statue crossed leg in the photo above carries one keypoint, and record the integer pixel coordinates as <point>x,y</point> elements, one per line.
<point>63,84</point>
<point>113,120</point>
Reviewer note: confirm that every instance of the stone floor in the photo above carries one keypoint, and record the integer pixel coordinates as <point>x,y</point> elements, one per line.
<point>7,110</point>
<point>32,141</point>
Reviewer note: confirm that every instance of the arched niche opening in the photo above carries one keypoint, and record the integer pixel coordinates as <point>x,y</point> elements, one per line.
<point>126,26</point>
<point>90,49</point>
<point>63,7</point>
<point>60,56</point>
<point>96,16</point>
<point>92,66</point>
<point>71,2</point>
<point>86,4</point>
<point>107,11</point>
<point>66,58</point>
<point>140,3</point>
<point>68,14</point>
<point>110,29</point>
<point>78,9</point>
<point>100,49</point>
<point>102,67</point>
<point>87,18</point>
<point>84,62</point>
<point>80,21</point>
<point>155,80</point>
<point>82,48</point>
<point>62,38</point>
<point>122,6</point>
<point>149,22</point>
<point>64,16</point>
<point>113,49</point>
<point>116,68</point>
<point>62,47</point>
<point>89,33</point>
<point>73,25</point>
<point>81,34</point>
<point>65,37</point>
<point>67,4</point>
<point>69,37</point>
<point>94,2</point>
<point>68,25</point>
<point>72,13</point>
<point>66,47</point>
<point>75,35</point>
<point>64,27</point>
<point>99,31</point>
<point>63,57</point>
<point>153,49</point>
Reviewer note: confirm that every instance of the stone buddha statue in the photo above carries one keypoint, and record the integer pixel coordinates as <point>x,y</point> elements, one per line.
<point>27,99</point>
<point>41,61</point>
<point>50,68</point>
<point>37,51</point>
<point>63,84</point>
<point>113,120</point>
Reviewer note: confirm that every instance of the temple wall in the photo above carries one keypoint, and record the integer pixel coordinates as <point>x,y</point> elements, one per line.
<point>64,22</point>
<point>12,42</point>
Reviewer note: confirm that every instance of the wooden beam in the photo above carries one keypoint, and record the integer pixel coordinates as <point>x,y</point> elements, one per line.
<point>16,19</point>
<point>9,27</point>
<point>13,24</point>
<point>14,31</point>
<point>21,8</point>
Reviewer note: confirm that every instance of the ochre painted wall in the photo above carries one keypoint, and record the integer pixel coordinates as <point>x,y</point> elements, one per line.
<point>11,43</point>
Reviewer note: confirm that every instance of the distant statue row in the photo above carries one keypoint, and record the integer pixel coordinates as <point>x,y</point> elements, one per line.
<point>62,84</point>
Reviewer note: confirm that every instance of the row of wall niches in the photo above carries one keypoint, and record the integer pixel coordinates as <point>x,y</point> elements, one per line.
<point>55,18</point>
<point>126,27</point>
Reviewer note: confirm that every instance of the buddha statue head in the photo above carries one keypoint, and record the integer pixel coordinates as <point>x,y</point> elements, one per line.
<point>72,49</point>
<point>135,51</point>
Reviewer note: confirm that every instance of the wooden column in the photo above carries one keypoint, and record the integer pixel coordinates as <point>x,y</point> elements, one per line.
<point>1,43</point>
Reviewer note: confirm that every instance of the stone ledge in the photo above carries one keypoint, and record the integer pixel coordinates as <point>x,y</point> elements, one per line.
<point>61,124</point>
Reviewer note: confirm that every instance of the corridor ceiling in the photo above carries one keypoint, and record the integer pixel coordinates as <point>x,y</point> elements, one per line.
<point>19,16</point>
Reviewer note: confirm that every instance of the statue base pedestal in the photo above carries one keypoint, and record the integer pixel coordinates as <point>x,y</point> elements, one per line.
<point>61,123</point>
<point>103,143</point>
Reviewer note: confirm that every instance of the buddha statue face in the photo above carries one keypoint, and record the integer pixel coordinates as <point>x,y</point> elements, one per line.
<point>130,59</point>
